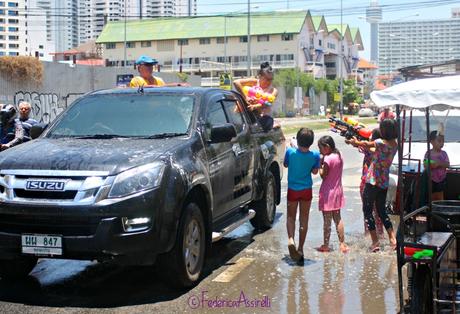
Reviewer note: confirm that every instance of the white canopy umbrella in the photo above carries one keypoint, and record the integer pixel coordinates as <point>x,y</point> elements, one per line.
<point>438,93</point>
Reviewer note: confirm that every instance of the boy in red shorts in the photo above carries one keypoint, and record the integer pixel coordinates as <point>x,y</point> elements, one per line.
<point>301,163</point>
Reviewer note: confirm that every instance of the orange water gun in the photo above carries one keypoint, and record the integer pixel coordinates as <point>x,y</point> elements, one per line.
<point>350,128</point>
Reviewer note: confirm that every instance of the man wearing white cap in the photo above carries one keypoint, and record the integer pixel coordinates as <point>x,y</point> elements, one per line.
<point>145,67</point>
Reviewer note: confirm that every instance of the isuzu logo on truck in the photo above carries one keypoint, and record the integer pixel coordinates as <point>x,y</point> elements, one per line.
<point>37,185</point>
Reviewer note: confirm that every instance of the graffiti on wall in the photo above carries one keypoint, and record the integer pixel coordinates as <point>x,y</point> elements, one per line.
<point>45,106</point>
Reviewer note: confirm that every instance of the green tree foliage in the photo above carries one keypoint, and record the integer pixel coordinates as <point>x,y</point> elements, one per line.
<point>289,78</point>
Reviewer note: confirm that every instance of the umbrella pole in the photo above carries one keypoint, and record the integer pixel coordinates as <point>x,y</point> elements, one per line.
<point>400,234</point>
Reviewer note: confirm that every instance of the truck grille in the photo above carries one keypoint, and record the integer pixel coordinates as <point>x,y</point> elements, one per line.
<point>58,187</point>
<point>66,226</point>
<point>66,195</point>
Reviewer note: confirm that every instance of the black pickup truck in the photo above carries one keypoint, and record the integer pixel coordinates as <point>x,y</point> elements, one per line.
<point>138,177</point>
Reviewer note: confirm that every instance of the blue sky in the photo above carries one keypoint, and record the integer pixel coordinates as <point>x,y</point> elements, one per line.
<point>353,11</point>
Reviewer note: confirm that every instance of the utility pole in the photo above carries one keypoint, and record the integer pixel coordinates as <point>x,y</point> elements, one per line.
<point>124,64</point>
<point>225,43</point>
<point>249,38</point>
<point>341,60</point>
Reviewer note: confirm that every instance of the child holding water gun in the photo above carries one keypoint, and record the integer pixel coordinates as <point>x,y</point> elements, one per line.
<point>367,152</point>
<point>377,179</point>
<point>260,95</point>
<point>331,198</point>
<point>301,163</point>
<point>439,162</point>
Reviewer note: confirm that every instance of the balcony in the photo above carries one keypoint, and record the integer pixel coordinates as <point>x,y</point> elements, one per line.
<point>211,66</point>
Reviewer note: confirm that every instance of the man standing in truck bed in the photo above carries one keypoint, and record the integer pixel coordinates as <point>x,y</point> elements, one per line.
<point>145,67</point>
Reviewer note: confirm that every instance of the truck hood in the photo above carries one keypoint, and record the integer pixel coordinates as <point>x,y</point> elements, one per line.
<point>112,155</point>
<point>418,150</point>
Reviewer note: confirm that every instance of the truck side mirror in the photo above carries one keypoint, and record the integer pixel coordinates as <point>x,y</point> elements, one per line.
<point>37,129</point>
<point>222,133</point>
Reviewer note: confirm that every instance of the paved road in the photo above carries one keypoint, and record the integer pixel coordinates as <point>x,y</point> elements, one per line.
<point>247,272</point>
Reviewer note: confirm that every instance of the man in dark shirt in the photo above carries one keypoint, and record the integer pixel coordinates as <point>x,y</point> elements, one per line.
<point>11,133</point>
<point>26,122</point>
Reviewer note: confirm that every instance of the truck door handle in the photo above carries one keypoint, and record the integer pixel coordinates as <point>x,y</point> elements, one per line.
<point>241,152</point>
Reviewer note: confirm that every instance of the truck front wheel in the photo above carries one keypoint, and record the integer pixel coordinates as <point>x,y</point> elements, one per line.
<point>17,268</point>
<point>266,207</point>
<point>186,259</point>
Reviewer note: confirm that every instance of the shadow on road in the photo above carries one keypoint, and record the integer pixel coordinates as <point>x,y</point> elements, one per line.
<point>57,283</point>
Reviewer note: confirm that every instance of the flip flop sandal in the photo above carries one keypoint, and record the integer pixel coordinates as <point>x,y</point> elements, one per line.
<point>293,253</point>
<point>375,249</point>
<point>323,249</point>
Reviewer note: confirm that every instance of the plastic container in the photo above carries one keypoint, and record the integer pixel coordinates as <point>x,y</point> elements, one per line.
<point>450,211</point>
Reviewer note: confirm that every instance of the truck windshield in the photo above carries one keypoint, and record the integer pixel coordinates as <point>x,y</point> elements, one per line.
<point>133,115</point>
<point>452,128</point>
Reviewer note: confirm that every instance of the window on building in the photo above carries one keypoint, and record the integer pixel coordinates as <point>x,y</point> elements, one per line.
<point>182,42</point>
<point>287,37</point>
<point>329,64</point>
<point>41,54</point>
<point>2,53</point>
<point>165,45</point>
<point>12,53</point>
<point>263,38</point>
<point>2,4</point>
<point>243,39</point>
<point>2,45</point>
<point>221,40</point>
<point>130,44</point>
<point>14,21</point>
<point>40,46</point>
<point>205,41</point>
<point>2,37</point>
<point>13,37</point>
<point>146,44</point>
<point>320,42</point>
<point>13,45</point>
<point>12,13</point>
<point>2,29</point>
<point>13,29</point>
<point>12,4</point>
<point>2,12</point>
<point>110,46</point>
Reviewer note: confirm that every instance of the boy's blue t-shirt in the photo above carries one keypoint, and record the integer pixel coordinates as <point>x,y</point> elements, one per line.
<point>300,165</point>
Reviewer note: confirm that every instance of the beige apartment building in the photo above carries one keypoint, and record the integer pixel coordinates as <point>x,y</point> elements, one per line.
<point>212,44</point>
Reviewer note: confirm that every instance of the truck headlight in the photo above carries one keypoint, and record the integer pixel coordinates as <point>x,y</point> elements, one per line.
<point>137,179</point>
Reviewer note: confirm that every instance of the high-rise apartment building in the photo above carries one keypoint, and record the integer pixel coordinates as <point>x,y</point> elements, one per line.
<point>40,27</point>
<point>185,7</point>
<point>418,42</point>
<point>12,39</point>
<point>94,14</point>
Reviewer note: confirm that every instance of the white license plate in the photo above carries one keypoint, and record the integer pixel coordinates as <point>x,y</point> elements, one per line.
<point>41,244</point>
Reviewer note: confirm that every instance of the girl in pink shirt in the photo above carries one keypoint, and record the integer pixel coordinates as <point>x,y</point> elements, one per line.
<point>331,198</point>
<point>439,162</point>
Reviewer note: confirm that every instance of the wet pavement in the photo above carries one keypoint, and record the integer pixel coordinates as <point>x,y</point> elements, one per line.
<point>246,272</point>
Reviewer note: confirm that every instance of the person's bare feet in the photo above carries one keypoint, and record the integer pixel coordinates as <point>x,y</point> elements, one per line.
<point>344,248</point>
<point>323,248</point>
<point>375,247</point>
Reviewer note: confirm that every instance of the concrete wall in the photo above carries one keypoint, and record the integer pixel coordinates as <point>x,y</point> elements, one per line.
<point>63,84</point>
